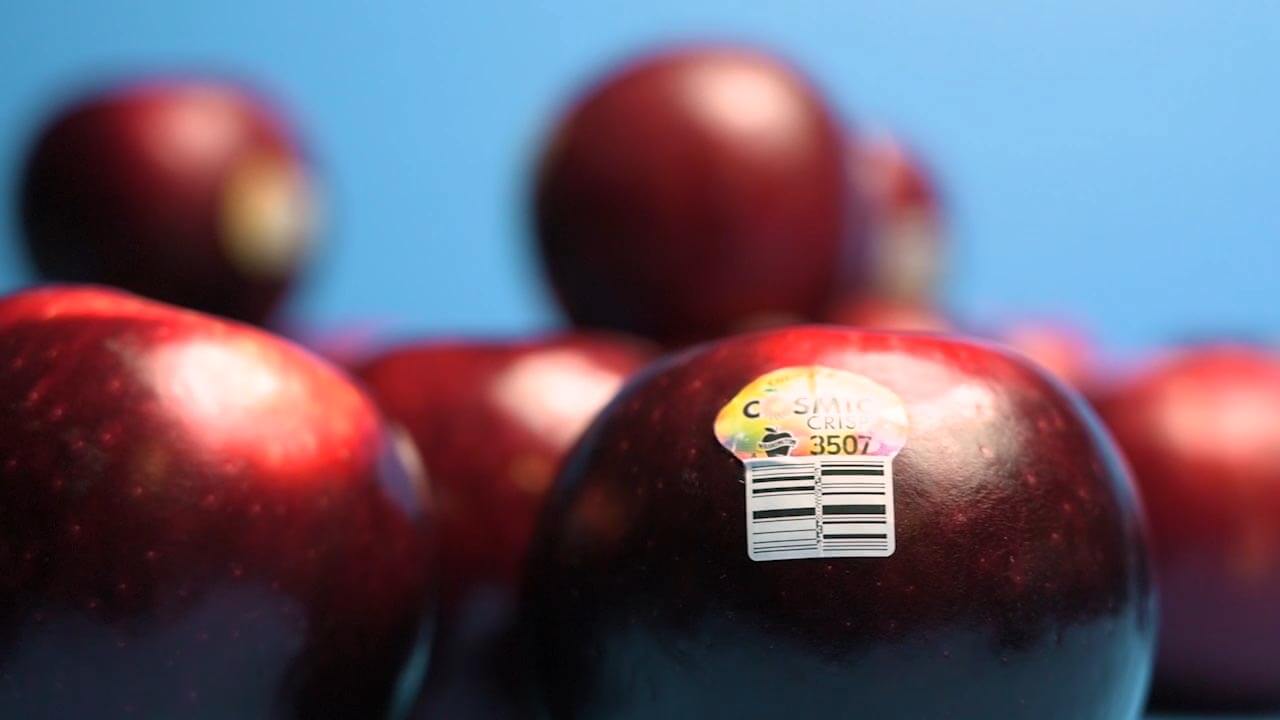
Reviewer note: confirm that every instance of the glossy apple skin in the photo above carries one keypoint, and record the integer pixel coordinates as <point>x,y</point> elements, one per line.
<point>199,521</point>
<point>682,186</point>
<point>1019,587</point>
<point>190,192</point>
<point>492,421</point>
<point>1201,430</point>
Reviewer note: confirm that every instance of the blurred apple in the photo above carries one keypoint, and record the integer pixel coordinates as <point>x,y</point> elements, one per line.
<point>1201,430</point>
<point>981,551</point>
<point>492,421</point>
<point>197,520</point>
<point>1060,348</point>
<point>347,345</point>
<point>191,192</point>
<point>881,314</point>
<point>905,219</point>
<point>694,193</point>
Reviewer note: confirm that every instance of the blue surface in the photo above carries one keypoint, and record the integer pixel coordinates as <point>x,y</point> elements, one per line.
<point>1115,166</point>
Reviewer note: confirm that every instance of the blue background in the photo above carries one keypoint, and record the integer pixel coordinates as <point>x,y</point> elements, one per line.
<point>1113,166</point>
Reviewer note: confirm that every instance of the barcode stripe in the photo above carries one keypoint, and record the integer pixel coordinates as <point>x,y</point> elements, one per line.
<point>792,488</point>
<point>852,509</point>
<point>784,478</point>
<point>853,522</point>
<point>810,507</point>
<point>782,512</point>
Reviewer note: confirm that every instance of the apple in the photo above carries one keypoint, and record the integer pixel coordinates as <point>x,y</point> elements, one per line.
<point>192,192</point>
<point>492,421</point>
<point>973,548</point>
<point>884,314</point>
<point>693,193</point>
<point>1063,350</point>
<point>906,232</point>
<point>198,520</point>
<point>1201,428</point>
<point>347,345</point>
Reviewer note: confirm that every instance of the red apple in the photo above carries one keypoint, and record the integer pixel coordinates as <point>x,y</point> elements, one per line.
<point>1065,351</point>
<point>694,193</point>
<point>184,191</point>
<point>882,314</point>
<point>972,548</point>
<point>197,520</point>
<point>1201,431</point>
<point>906,235</point>
<point>492,422</point>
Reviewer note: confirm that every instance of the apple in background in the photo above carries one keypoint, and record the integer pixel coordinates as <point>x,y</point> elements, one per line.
<point>882,314</point>
<point>346,345</point>
<point>693,193</point>
<point>905,234</point>
<point>1063,350</point>
<point>1201,430</point>
<point>1017,586</point>
<point>199,521</point>
<point>190,192</point>
<point>492,421</point>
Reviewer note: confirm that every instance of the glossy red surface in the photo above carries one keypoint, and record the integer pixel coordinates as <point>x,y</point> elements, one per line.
<point>1201,431</point>
<point>199,521</point>
<point>1019,587</point>
<point>693,193</point>
<point>188,192</point>
<point>492,422</point>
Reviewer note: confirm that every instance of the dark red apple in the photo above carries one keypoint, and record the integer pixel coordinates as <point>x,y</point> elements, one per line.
<point>693,193</point>
<point>185,191</point>
<point>197,520</point>
<point>905,217</point>
<point>961,540</point>
<point>1201,430</point>
<point>492,422</point>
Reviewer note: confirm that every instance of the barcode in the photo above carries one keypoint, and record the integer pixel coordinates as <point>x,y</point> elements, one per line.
<point>816,507</point>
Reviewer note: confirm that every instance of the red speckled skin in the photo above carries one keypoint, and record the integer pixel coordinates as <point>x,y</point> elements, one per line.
<point>693,193</point>
<point>126,188</point>
<point>197,520</point>
<point>1201,431</point>
<point>491,466</point>
<point>1019,587</point>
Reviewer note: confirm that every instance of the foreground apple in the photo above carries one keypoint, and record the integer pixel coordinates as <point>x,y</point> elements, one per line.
<point>188,192</point>
<point>906,236</point>
<point>1201,431</point>
<point>972,549</point>
<point>197,520</point>
<point>492,422</point>
<point>693,193</point>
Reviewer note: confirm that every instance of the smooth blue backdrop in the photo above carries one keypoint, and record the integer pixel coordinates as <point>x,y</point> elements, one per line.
<point>1116,166</point>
